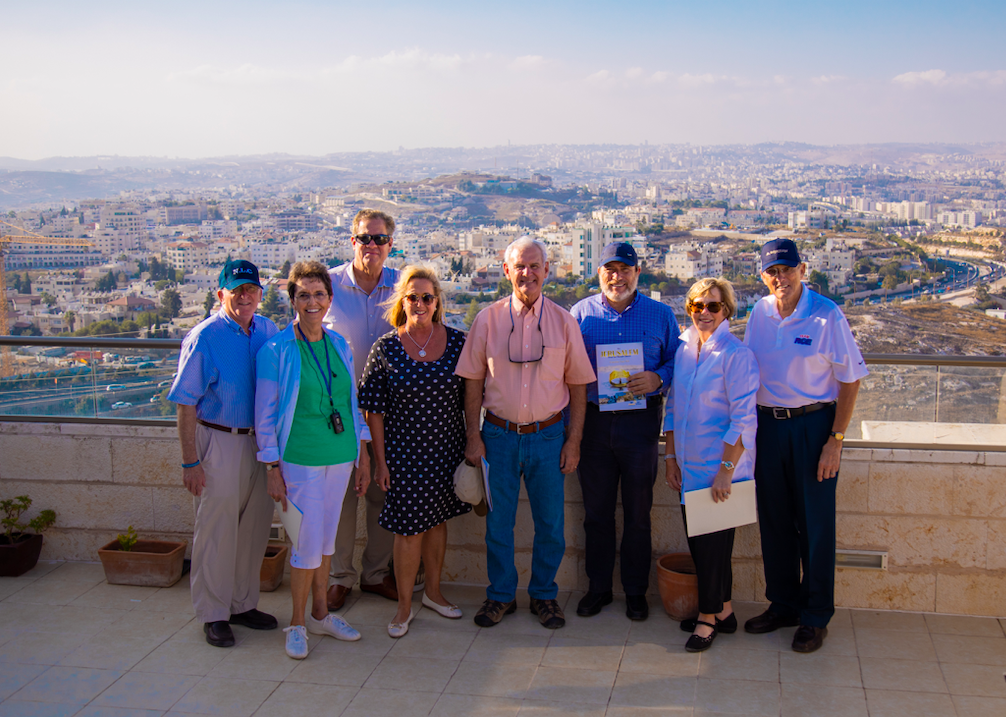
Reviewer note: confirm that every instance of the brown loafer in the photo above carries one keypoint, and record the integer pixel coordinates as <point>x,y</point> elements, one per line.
<point>386,588</point>
<point>809,639</point>
<point>337,597</point>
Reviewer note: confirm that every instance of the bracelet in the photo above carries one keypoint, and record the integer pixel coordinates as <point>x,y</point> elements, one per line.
<point>669,455</point>
<point>190,465</point>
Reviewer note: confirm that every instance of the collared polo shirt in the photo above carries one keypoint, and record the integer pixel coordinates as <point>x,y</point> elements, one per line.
<point>356,315</point>
<point>216,369</point>
<point>527,390</point>
<point>644,320</point>
<point>802,358</point>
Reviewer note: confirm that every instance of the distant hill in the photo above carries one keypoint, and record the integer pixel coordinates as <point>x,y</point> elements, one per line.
<point>926,328</point>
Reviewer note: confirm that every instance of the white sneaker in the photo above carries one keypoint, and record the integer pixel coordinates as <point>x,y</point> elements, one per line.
<point>296,641</point>
<point>334,626</point>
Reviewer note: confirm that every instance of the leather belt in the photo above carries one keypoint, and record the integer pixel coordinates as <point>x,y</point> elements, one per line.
<point>523,428</point>
<point>227,429</point>
<point>781,414</point>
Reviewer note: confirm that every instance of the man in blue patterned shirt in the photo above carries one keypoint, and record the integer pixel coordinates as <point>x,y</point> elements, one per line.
<point>621,446</point>
<point>215,393</point>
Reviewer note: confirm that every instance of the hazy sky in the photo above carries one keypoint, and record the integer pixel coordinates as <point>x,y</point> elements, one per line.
<point>211,78</point>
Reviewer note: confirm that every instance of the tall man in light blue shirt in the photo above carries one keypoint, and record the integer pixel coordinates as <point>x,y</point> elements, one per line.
<point>621,446</point>
<point>359,288</point>
<point>215,392</point>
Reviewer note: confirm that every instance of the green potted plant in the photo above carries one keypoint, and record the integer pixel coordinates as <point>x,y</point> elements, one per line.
<point>127,560</point>
<point>19,549</point>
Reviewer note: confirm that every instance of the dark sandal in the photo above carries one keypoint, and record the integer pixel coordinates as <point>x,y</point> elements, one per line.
<point>699,644</point>
<point>727,626</point>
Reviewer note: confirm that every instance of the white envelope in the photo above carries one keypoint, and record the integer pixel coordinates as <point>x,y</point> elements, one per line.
<point>705,516</point>
<point>290,519</point>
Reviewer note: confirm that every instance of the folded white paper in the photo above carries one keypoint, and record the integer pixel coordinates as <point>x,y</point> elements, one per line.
<point>485,483</point>
<point>705,516</point>
<point>291,519</point>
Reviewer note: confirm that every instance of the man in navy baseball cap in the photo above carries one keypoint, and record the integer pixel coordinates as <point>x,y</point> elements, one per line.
<point>237,272</point>
<point>779,251</point>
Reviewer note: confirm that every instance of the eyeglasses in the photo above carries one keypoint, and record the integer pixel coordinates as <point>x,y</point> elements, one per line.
<point>427,298</point>
<point>539,347</point>
<point>318,296</point>
<point>378,239</point>
<point>778,270</point>
<point>697,307</point>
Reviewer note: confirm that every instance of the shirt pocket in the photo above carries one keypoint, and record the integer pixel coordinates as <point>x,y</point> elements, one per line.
<point>553,364</point>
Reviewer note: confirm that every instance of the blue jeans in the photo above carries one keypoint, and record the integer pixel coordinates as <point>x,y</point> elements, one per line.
<point>536,457</point>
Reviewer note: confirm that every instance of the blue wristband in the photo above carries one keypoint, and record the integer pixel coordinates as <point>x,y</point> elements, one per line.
<point>190,465</point>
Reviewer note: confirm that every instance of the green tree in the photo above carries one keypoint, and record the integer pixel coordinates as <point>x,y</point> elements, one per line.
<point>271,305</point>
<point>821,279</point>
<point>890,282</point>
<point>473,310</point>
<point>161,284</point>
<point>70,317</point>
<point>16,283</point>
<point>48,299</point>
<point>171,303</point>
<point>209,302</point>
<point>29,330</point>
<point>106,283</point>
<point>505,288</point>
<point>26,284</point>
<point>284,271</point>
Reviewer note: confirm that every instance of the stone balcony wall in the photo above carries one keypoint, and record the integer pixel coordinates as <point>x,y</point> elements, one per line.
<point>941,515</point>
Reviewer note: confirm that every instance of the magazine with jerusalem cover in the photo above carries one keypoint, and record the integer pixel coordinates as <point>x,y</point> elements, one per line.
<point>615,363</point>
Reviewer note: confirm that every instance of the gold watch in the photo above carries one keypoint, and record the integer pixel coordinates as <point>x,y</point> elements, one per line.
<point>838,436</point>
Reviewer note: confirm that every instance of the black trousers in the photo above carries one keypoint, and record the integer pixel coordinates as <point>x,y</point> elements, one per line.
<point>711,554</point>
<point>619,447</point>
<point>796,516</point>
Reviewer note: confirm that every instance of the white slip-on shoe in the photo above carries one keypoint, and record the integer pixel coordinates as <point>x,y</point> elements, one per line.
<point>296,641</point>
<point>399,629</point>
<point>452,612</point>
<point>333,626</point>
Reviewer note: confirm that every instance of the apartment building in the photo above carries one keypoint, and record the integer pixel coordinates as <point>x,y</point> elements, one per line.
<point>693,261</point>
<point>187,255</point>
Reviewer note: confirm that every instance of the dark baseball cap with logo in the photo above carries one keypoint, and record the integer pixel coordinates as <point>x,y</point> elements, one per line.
<point>619,251</point>
<point>237,272</point>
<point>779,251</point>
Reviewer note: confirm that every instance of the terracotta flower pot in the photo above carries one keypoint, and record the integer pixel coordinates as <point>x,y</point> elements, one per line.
<point>151,563</point>
<point>273,566</point>
<point>19,557</point>
<point>679,587</point>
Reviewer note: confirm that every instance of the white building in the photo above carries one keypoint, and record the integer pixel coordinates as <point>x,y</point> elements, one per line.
<point>187,255</point>
<point>693,261</point>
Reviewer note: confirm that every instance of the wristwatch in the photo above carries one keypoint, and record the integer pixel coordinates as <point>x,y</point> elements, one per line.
<point>838,436</point>
<point>270,466</point>
<point>729,465</point>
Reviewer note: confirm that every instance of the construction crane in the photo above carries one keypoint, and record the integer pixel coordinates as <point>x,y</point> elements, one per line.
<point>28,237</point>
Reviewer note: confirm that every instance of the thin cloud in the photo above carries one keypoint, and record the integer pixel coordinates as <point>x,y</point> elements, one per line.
<point>527,62</point>
<point>916,79</point>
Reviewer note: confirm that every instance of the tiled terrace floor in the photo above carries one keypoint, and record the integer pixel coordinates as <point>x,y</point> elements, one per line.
<point>73,645</point>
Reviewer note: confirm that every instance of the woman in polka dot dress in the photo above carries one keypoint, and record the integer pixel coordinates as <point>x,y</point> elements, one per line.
<point>414,406</point>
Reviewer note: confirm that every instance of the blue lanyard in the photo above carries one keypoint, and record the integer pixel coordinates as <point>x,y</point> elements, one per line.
<point>326,377</point>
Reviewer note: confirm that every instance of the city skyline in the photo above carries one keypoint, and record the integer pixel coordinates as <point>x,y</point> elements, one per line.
<point>223,78</point>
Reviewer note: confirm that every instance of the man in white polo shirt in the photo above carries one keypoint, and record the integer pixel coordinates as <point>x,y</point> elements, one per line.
<point>810,369</point>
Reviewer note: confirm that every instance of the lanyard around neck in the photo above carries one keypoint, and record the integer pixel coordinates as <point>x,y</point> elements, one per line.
<point>329,377</point>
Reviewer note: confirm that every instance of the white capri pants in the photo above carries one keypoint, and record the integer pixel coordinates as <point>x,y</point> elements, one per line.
<point>318,492</point>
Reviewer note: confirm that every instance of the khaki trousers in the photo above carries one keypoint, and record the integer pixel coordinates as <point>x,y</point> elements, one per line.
<point>233,516</point>
<point>380,542</point>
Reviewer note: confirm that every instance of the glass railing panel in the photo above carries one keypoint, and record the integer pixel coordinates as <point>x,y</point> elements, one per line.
<point>895,394</point>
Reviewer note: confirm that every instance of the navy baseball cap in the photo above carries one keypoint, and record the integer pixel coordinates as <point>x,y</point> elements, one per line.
<point>237,272</point>
<point>619,251</point>
<point>779,251</point>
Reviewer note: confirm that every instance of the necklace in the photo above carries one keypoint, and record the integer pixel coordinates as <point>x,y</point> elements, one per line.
<point>422,349</point>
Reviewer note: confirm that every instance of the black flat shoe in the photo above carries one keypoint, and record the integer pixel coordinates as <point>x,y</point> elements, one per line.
<point>636,607</point>
<point>727,626</point>
<point>591,603</point>
<point>699,644</point>
<point>255,619</point>
<point>219,633</point>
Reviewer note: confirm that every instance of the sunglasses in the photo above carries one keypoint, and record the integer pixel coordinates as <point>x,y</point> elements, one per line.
<point>378,239</point>
<point>427,299</point>
<point>697,307</point>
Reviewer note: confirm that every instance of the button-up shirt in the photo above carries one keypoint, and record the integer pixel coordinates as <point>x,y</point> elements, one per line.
<point>529,389</point>
<point>643,321</point>
<point>803,357</point>
<point>216,369</point>
<point>356,315</point>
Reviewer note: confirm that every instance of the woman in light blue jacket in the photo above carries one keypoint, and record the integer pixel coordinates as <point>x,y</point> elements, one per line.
<point>310,434</point>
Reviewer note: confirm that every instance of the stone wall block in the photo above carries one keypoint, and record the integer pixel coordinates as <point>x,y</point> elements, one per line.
<point>917,541</point>
<point>853,489</point>
<point>138,461</point>
<point>977,593</point>
<point>747,542</point>
<point>90,506</point>
<point>979,491</point>
<point>996,553</point>
<point>910,488</point>
<point>749,579</point>
<point>995,458</point>
<point>885,589</point>
<point>55,458</point>
<point>667,529</point>
<point>174,511</point>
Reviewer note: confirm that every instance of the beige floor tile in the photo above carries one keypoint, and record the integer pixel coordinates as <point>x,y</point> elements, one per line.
<point>909,704</point>
<point>76,618</point>
<point>895,644</point>
<point>977,680</point>
<point>737,697</point>
<point>46,592</point>
<point>541,708</point>
<point>25,615</point>
<point>507,647</point>
<point>335,668</point>
<point>971,650</point>
<point>767,642</point>
<point>887,620</point>
<point>145,690</point>
<point>524,623</point>
<point>901,675</point>
<point>374,640</point>
<point>37,709</point>
<point>412,673</point>
<point>561,684</point>
<point>76,571</point>
<point>968,706</point>
<point>383,702</point>
<point>107,651</point>
<point>370,610</point>
<point>607,627</point>
<point>228,698</point>
<point>181,657</point>
<point>93,710</point>
<point>475,706</point>
<point>722,664</point>
<point>68,685</point>
<point>809,700</point>
<point>31,649</point>
<point>840,641</point>
<point>494,680</point>
<point>426,619</point>
<point>177,598</point>
<point>623,711</point>
<point>658,659</point>
<point>121,597</point>
<point>582,654</point>
<point>819,668</point>
<point>440,644</point>
<point>842,618</point>
<point>156,626</point>
<point>654,691</point>
<point>267,662</point>
<point>9,586</point>
<point>295,699</point>
<point>13,677</point>
<point>964,625</point>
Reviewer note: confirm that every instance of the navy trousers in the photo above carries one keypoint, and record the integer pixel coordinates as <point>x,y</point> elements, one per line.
<point>619,448</point>
<point>796,516</point>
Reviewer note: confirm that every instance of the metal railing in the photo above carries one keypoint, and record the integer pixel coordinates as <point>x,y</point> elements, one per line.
<point>946,402</point>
